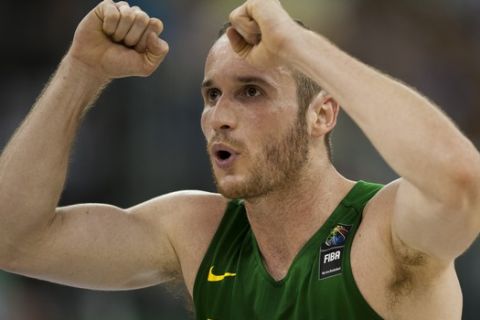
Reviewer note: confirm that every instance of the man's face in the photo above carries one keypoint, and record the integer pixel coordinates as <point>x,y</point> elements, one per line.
<point>256,140</point>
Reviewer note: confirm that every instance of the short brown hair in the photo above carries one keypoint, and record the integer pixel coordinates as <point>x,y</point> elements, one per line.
<point>307,89</point>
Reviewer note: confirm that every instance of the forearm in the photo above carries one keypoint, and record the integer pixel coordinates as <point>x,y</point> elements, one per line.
<point>413,136</point>
<point>33,165</point>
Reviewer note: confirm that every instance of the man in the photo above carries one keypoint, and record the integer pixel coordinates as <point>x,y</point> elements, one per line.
<point>293,247</point>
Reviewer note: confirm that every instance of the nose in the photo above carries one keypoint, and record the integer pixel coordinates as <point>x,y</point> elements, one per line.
<point>224,117</point>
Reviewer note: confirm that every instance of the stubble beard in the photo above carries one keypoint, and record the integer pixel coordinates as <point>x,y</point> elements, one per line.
<point>276,168</point>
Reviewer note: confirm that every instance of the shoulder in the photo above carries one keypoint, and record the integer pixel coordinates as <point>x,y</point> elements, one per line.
<point>190,218</point>
<point>380,213</point>
<point>182,200</point>
<point>182,207</point>
<point>378,219</point>
<point>184,214</point>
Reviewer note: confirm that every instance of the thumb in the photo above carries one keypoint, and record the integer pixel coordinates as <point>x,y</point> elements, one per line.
<point>156,49</point>
<point>237,42</point>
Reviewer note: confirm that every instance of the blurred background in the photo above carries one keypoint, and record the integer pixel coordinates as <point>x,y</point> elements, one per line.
<point>143,137</point>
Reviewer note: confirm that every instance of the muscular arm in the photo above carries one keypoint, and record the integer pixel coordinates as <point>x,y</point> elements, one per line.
<point>437,205</point>
<point>99,246</point>
<point>436,209</point>
<point>94,246</point>
<point>33,166</point>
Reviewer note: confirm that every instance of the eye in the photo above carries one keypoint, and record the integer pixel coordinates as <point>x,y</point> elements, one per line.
<point>252,91</point>
<point>213,94</point>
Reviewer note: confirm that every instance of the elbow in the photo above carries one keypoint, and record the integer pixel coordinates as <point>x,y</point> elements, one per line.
<point>466,187</point>
<point>469,200</point>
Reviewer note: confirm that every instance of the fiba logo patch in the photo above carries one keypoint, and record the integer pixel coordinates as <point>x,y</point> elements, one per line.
<point>331,251</point>
<point>337,236</point>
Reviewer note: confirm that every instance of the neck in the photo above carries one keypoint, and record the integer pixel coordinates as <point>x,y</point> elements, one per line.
<point>284,220</point>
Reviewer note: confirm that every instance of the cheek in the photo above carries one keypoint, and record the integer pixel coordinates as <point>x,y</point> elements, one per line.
<point>204,121</point>
<point>269,123</point>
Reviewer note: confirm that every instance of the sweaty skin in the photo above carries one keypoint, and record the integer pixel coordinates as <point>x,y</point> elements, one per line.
<point>404,270</point>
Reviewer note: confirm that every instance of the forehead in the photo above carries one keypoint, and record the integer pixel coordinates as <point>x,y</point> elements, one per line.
<point>223,64</point>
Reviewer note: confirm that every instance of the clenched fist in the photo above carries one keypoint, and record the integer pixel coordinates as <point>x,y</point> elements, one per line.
<point>262,32</point>
<point>115,40</point>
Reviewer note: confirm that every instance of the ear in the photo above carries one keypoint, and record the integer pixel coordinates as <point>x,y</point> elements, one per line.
<point>322,114</point>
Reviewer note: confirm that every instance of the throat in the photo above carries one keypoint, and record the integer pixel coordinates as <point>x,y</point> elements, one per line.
<point>282,226</point>
<point>277,259</point>
<point>279,250</point>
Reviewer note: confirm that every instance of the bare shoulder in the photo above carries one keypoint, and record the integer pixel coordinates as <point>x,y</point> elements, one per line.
<point>181,202</point>
<point>399,282</point>
<point>190,218</point>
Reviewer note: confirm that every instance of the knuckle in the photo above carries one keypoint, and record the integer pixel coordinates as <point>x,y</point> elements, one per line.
<point>130,42</point>
<point>233,16</point>
<point>141,18</point>
<point>112,17</point>
<point>157,25</point>
<point>122,4</point>
<point>129,18</point>
<point>164,48</point>
<point>144,15</point>
<point>127,14</point>
<point>236,14</point>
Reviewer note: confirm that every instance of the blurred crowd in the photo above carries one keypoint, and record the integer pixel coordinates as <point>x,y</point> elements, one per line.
<point>143,138</point>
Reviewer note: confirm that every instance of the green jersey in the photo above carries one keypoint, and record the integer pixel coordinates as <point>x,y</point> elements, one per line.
<point>233,284</point>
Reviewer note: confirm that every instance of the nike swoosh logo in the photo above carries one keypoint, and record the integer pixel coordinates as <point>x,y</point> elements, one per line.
<point>215,278</point>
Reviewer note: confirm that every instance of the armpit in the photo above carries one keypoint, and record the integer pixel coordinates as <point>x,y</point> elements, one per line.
<point>412,272</point>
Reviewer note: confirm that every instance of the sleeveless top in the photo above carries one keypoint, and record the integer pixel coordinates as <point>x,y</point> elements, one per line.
<point>233,284</point>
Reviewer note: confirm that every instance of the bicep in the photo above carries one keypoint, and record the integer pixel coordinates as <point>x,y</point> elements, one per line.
<point>100,247</point>
<point>429,226</point>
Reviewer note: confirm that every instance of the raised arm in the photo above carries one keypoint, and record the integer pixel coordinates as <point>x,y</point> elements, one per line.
<point>436,206</point>
<point>87,245</point>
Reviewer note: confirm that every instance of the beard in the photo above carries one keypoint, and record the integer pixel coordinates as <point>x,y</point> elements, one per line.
<point>278,166</point>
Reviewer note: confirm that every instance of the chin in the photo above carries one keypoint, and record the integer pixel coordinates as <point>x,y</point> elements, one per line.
<point>240,188</point>
<point>230,194</point>
<point>230,189</point>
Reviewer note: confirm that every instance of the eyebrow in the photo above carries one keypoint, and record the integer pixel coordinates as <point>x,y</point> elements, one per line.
<point>242,79</point>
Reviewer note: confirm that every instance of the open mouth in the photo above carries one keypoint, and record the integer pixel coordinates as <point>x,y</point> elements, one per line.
<point>223,154</point>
